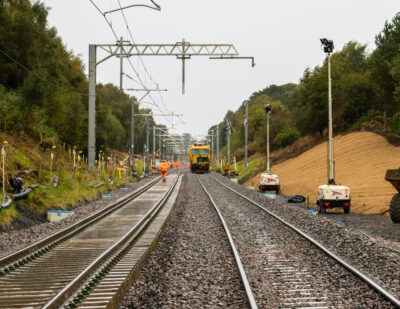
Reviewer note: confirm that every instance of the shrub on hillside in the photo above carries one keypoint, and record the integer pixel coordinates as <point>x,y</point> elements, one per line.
<point>394,123</point>
<point>286,137</point>
<point>373,116</point>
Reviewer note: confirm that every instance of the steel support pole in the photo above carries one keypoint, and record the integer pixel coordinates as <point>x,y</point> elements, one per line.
<point>159,148</point>
<point>154,145</point>
<point>147,144</point>
<point>183,66</point>
<point>132,133</point>
<point>212,147</point>
<point>246,127</point>
<point>165,150</point>
<point>228,135</point>
<point>218,143</point>
<point>92,107</point>
<point>183,75</point>
<point>331,161</point>
<point>268,157</point>
<point>121,68</point>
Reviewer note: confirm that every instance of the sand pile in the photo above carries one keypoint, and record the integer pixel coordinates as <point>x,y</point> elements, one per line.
<point>362,159</point>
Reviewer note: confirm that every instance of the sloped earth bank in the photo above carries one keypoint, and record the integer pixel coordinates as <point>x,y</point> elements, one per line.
<point>371,255</point>
<point>16,237</point>
<point>192,265</point>
<point>362,159</point>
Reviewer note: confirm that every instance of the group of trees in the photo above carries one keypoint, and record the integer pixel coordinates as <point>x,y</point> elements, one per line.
<point>365,86</point>
<point>43,86</point>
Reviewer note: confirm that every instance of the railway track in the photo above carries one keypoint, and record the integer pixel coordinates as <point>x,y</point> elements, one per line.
<point>91,263</point>
<point>298,274</point>
<point>243,276</point>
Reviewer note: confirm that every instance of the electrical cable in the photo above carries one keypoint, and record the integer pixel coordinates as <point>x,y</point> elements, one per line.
<point>147,73</point>
<point>141,83</point>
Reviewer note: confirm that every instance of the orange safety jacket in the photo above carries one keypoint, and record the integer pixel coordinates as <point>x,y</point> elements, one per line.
<point>163,167</point>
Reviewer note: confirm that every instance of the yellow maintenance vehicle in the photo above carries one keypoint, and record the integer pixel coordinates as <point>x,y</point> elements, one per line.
<point>199,155</point>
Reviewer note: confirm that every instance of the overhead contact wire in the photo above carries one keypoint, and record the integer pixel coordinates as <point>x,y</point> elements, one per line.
<point>141,60</point>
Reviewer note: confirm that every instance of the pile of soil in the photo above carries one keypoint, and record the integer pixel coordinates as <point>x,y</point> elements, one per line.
<point>362,159</point>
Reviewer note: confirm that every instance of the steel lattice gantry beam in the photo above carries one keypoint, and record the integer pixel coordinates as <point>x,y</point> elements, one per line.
<point>182,50</point>
<point>178,49</point>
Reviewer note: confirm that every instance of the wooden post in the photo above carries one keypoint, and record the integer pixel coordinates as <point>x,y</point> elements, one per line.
<point>39,171</point>
<point>51,168</point>
<point>384,121</point>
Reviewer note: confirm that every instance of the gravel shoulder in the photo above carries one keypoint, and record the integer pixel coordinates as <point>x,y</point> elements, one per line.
<point>192,265</point>
<point>378,227</point>
<point>376,259</point>
<point>13,239</point>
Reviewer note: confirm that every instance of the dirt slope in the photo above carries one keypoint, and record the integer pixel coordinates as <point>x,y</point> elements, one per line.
<point>361,162</point>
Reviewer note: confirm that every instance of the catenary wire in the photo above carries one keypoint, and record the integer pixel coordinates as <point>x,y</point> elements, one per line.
<point>129,61</point>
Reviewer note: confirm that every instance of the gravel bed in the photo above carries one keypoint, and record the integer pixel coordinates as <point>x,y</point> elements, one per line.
<point>278,261</point>
<point>13,239</point>
<point>375,259</point>
<point>192,265</point>
<point>379,227</point>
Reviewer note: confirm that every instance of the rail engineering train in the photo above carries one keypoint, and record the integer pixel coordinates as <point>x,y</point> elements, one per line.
<point>199,158</point>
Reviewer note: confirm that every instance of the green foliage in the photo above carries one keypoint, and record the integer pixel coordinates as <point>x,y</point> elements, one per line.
<point>276,93</point>
<point>255,165</point>
<point>394,123</point>
<point>43,86</point>
<point>10,116</point>
<point>354,92</point>
<point>286,137</point>
<point>385,62</point>
<point>367,118</point>
<point>364,87</point>
<point>280,120</point>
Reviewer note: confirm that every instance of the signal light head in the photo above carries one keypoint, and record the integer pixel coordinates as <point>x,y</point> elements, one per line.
<point>268,109</point>
<point>328,45</point>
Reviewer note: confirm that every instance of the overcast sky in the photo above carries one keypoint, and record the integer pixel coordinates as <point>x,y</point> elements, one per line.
<point>283,36</point>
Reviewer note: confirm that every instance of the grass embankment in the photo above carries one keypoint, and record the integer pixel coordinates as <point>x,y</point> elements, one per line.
<point>256,163</point>
<point>25,159</point>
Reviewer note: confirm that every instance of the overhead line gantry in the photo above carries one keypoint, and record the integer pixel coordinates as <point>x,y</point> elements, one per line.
<point>123,49</point>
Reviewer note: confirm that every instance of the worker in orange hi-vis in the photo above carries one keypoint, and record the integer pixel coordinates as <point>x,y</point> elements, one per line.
<point>164,169</point>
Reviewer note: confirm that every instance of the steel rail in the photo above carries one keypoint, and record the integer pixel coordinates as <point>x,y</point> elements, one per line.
<point>13,257</point>
<point>391,298</point>
<point>68,291</point>
<point>249,293</point>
